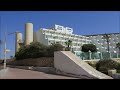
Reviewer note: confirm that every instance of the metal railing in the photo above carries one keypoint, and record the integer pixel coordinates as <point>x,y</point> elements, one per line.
<point>97,55</point>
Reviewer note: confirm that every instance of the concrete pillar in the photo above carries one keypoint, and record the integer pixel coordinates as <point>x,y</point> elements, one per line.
<point>28,33</point>
<point>89,54</point>
<point>18,38</point>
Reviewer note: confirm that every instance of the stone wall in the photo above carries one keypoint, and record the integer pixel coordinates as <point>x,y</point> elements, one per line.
<point>40,62</point>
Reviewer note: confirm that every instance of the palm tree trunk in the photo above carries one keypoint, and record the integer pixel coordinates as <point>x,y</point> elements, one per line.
<point>119,52</point>
<point>108,49</point>
<point>68,46</point>
<point>108,46</point>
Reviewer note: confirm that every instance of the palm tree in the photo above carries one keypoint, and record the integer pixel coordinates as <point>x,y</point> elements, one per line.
<point>106,36</point>
<point>118,46</point>
<point>68,43</point>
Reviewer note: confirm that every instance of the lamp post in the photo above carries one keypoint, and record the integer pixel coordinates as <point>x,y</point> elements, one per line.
<point>0,48</point>
<point>16,41</point>
<point>5,51</point>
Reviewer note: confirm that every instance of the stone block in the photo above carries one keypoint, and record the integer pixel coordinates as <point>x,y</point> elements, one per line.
<point>111,72</point>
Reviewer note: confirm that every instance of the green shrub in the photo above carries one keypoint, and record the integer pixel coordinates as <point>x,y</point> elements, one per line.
<point>56,47</point>
<point>67,48</point>
<point>52,48</point>
<point>36,50</point>
<point>87,47</point>
<point>105,65</point>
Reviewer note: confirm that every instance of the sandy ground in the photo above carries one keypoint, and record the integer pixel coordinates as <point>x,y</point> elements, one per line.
<point>14,73</point>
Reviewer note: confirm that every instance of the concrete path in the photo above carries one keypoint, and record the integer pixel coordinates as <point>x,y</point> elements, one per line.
<point>14,73</point>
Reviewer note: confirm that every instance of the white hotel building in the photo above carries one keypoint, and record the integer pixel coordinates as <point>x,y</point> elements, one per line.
<point>100,42</point>
<point>60,34</point>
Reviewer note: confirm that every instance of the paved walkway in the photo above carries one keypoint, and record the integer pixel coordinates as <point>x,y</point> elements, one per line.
<point>14,73</point>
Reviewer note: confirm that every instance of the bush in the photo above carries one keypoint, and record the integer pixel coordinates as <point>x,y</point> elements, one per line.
<point>105,65</point>
<point>67,49</point>
<point>56,47</point>
<point>36,50</point>
<point>52,48</point>
<point>87,47</point>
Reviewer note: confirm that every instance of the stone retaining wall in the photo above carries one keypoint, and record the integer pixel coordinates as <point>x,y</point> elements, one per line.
<point>40,62</point>
<point>41,69</point>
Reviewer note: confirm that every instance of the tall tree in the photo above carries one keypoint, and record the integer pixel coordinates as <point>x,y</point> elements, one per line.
<point>89,47</point>
<point>107,37</point>
<point>118,46</point>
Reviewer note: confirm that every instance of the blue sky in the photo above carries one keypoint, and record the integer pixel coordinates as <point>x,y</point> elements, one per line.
<point>82,22</point>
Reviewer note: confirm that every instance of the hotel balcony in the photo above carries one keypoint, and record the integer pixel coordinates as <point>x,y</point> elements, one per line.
<point>48,34</point>
<point>54,35</point>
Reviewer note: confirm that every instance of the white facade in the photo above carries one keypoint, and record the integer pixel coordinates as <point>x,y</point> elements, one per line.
<point>101,43</point>
<point>60,34</point>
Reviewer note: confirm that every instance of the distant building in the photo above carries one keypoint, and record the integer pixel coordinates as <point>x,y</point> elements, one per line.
<point>101,43</point>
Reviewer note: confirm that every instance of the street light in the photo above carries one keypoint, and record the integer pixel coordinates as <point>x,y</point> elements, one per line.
<point>18,40</point>
<point>14,32</point>
<point>5,50</point>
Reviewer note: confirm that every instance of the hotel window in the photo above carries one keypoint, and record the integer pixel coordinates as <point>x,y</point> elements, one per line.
<point>58,42</point>
<point>46,36</point>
